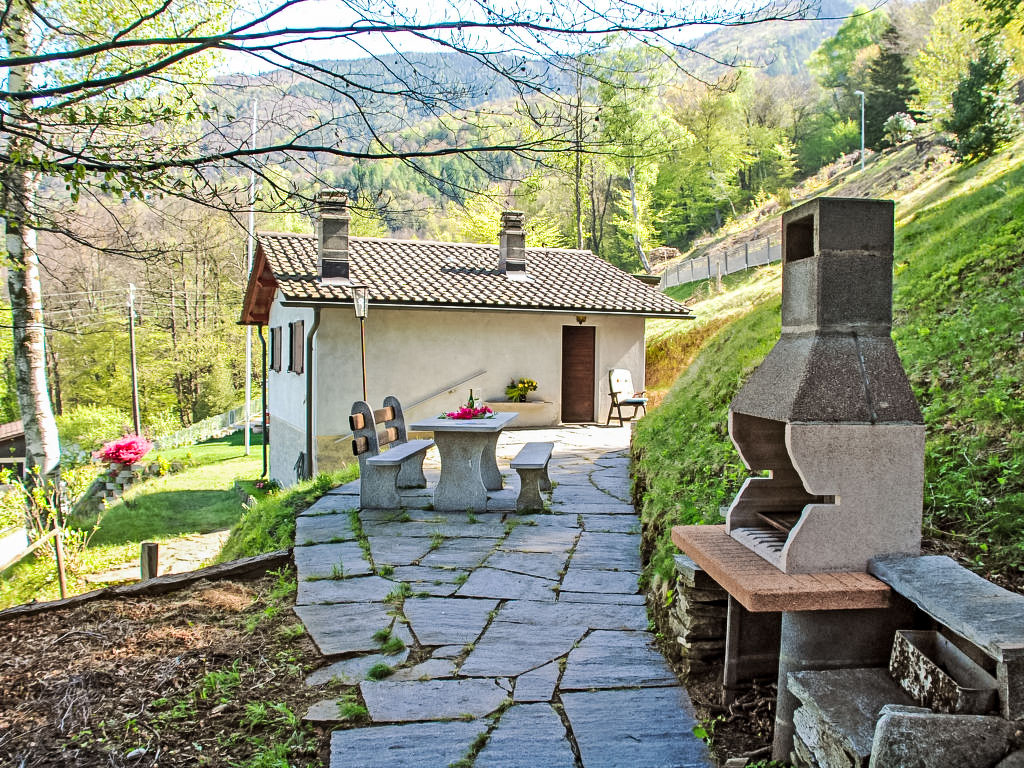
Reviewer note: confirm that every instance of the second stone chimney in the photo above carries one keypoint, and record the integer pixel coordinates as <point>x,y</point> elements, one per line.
<point>512,243</point>
<point>332,235</point>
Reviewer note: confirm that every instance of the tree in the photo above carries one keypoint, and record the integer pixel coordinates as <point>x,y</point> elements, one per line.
<point>984,115</point>
<point>960,31</point>
<point>115,100</point>
<point>637,135</point>
<point>836,62</point>
<point>889,87</point>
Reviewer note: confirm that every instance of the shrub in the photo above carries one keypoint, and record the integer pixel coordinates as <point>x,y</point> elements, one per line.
<point>898,128</point>
<point>127,450</point>
<point>89,426</point>
<point>984,115</point>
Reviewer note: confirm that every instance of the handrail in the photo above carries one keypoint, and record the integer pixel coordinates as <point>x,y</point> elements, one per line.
<point>443,390</point>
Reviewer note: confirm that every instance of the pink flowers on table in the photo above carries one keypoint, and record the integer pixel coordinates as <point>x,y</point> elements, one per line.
<point>128,450</point>
<point>469,412</point>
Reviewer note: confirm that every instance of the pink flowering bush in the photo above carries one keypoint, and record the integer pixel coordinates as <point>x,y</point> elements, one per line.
<point>469,412</point>
<point>128,450</point>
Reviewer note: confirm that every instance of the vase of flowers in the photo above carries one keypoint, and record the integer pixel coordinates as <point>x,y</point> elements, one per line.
<point>517,390</point>
<point>471,410</point>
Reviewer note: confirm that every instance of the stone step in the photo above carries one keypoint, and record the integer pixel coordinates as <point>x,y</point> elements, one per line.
<point>838,712</point>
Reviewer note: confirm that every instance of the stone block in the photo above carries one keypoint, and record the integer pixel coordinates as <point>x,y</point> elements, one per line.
<point>410,701</point>
<point>1012,760</point>
<point>416,744</point>
<point>983,613</point>
<point>692,575</point>
<point>702,650</point>
<point>701,597</point>
<point>1010,675</point>
<point>352,671</point>
<point>844,704</point>
<point>527,734</point>
<point>702,628</point>
<point>879,494</point>
<point>940,676</point>
<point>909,737</point>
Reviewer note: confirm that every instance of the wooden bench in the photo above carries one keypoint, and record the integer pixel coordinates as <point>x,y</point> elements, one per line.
<point>532,465</point>
<point>382,473</point>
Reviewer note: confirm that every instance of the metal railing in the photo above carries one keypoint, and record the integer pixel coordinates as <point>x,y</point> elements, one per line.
<point>445,390</point>
<point>714,265</point>
<point>408,408</point>
<point>207,428</point>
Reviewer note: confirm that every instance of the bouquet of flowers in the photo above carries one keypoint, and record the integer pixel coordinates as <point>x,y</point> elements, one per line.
<point>516,391</point>
<point>127,450</point>
<point>470,410</point>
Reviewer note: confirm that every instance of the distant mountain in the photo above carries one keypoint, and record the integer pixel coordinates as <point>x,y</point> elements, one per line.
<point>443,80</point>
<point>775,47</point>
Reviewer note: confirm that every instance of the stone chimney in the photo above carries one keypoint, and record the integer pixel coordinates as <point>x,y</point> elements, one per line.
<point>332,235</point>
<point>512,243</point>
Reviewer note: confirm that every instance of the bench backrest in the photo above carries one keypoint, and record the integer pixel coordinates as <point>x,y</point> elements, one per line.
<point>620,382</point>
<point>366,440</point>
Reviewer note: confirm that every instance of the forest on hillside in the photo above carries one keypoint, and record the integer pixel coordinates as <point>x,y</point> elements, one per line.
<point>644,150</point>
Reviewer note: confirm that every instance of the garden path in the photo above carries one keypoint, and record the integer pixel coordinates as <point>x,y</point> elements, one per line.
<point>524,638</point>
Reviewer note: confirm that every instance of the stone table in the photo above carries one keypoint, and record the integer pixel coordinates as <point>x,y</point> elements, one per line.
<point>468,465</point>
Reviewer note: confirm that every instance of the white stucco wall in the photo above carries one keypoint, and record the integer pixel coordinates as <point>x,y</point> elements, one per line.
<point>286,396</point>
<point>414,353</point>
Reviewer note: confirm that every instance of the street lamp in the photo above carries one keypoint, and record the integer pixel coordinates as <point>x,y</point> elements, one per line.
<point>361,305</point>
<point>861,94</point>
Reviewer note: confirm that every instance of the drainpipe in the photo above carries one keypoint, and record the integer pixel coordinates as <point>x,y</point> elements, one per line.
<point>263,390</point>
<point>309,390</point>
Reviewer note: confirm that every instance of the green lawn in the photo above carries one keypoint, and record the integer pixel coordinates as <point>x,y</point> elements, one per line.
<point>199,499</point>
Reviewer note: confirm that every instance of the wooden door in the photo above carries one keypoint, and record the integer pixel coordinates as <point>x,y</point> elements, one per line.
<point>577,373</point>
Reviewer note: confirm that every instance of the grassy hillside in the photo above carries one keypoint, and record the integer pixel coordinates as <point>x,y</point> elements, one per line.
<point>959,300</point>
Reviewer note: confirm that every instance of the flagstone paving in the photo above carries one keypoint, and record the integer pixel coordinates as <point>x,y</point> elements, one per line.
<point>495,640</point>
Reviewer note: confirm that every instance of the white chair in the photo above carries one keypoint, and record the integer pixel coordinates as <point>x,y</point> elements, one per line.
<point>620,384</point>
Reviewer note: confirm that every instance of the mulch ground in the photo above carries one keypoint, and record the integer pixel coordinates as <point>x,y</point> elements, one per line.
<point>211,675</point>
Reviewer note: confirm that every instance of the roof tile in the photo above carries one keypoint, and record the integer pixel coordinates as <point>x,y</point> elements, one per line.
<point>464,274</point>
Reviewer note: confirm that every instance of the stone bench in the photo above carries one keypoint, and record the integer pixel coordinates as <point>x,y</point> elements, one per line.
<point>383,473</point>
<point>987,616</point>
<point>532,465</point>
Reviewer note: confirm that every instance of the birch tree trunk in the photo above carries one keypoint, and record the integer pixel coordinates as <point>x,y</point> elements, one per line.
<point>636,220</point>
<point>42,448</point>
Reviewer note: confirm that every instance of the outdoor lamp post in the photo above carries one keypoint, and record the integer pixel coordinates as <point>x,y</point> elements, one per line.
<point>361,305</point>
<point>861,94</point>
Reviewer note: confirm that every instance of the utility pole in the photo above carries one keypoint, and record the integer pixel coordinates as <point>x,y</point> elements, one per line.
<point>248,272</point>
<point>136,421</point>
<point>861,94</point>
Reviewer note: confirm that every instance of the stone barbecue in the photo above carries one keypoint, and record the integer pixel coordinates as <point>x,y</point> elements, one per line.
<point>830,414</point>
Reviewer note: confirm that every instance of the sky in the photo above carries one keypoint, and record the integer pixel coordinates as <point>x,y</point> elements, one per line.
<point>312,14</point>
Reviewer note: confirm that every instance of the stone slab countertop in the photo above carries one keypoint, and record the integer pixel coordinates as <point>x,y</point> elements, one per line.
<point>984,613</point>
<point>436,424</point>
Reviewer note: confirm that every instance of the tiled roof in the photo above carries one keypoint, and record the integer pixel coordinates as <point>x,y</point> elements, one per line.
<point>11,429</point>
<point>422,273</point>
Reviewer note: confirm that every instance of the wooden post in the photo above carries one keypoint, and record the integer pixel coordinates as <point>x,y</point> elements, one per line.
<point>59,500</point>
<point>149,559</point>
<point>719,276</point>
<point>59,550</point>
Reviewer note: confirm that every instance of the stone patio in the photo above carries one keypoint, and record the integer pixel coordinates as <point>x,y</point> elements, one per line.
<point>524,637</point>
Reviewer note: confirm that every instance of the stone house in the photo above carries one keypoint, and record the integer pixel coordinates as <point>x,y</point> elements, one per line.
<point>443,318</point>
